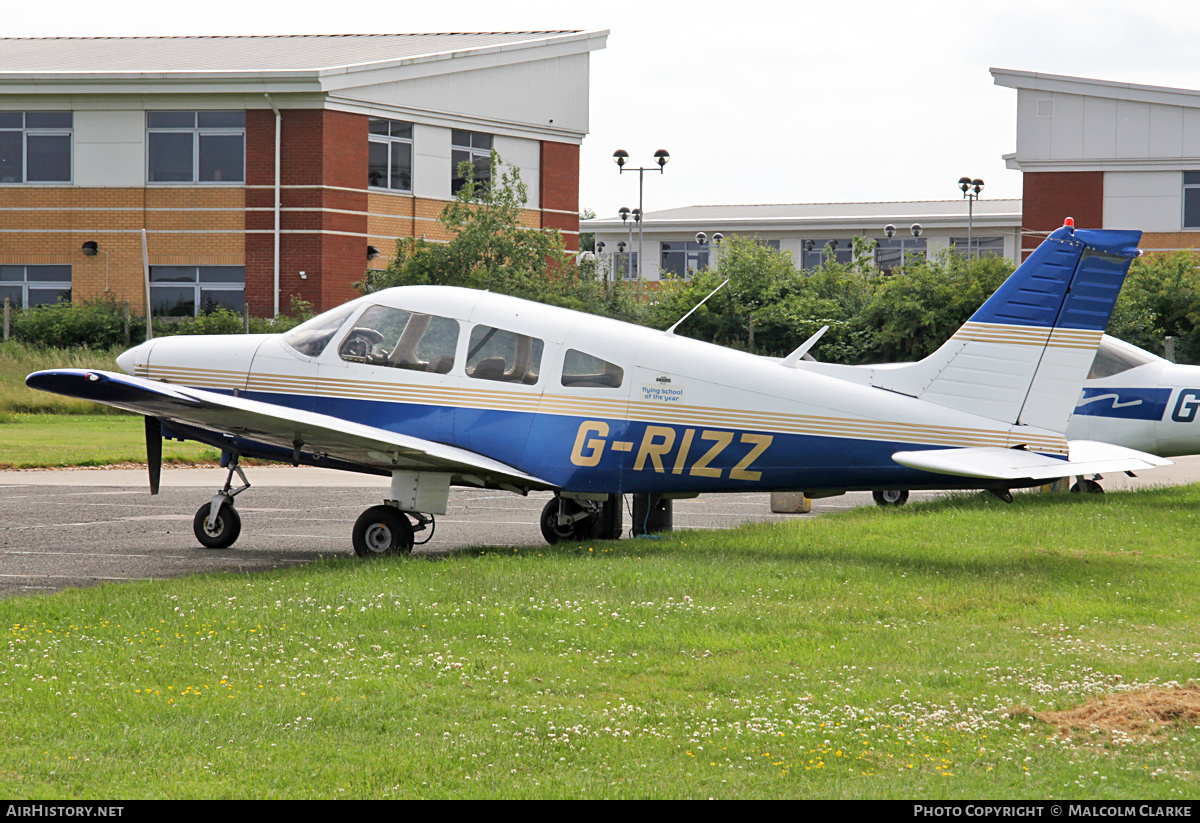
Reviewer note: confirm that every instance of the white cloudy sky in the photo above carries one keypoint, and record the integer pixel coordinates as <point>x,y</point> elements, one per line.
<point>757,101</point>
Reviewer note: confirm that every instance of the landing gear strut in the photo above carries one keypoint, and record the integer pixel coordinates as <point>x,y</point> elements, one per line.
<point>217,523</point>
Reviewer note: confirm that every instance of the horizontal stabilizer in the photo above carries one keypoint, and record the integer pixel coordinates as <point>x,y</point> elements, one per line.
<point>1087,457</point>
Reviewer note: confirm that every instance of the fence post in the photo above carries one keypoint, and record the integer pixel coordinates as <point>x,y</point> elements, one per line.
<point>7,309</point>
<point>246,317</point>
<point>1169,348</point>
<point>127,321</point>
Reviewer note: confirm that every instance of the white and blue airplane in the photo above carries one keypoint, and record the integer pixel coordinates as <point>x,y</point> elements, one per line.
<point>437,387</point>
<point>1137,399</point>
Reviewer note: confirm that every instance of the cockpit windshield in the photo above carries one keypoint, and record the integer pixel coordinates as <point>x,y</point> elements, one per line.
<point>1116,356</point>
<point>312,336</point>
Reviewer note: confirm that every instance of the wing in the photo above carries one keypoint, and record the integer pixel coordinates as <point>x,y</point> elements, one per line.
<point>1086,457</point>
<point>363,446</point>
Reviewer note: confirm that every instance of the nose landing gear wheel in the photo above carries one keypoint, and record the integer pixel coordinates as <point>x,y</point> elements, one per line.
<point>382,530</point>
<point>223,532</point>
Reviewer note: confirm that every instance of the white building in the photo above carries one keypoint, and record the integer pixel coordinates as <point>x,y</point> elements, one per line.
<point>268,168</point>
<point>809,232</point>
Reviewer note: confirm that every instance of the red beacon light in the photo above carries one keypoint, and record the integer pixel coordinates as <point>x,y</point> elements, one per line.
<point>1069,222</point>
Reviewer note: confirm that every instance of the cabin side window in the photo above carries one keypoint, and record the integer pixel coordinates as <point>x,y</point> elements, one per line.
<point>586,371</point>
<point>497,354</point>
<point>400,339</point>
<point>1112,360</point>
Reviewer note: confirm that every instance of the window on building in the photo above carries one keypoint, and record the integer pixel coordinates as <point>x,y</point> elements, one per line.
<point>389,154</point>
<point>819,252</point>
<point>624,265</point>
<point>496,354</point>
<point>587,371</point>
<point>682,257</point>
<point>1191,199</point>
<point>894,252</point>
<point>196,146</point>
<point>35,146</point>
<point>470,147</point>
<point>979,246</point>
<point>185,291</point>
<point>29,286</point>
<point>384,336</point>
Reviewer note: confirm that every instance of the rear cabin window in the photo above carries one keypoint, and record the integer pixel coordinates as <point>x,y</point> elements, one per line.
<point>1111,360</point>
<point>400,339</point>
<point>586,371</point>
<point>496,354</point>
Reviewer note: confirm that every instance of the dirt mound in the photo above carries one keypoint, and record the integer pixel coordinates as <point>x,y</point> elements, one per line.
<point>1133,714</point>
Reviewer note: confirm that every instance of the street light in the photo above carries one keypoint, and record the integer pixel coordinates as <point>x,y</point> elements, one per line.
<point>620,157</point>
<point>970,189</point>
<point>702,240</point>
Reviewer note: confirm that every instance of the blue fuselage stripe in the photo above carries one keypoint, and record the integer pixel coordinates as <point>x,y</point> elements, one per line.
<point>608,455</point>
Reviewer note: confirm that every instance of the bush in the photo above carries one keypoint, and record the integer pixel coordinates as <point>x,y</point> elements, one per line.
<point>99,324</point>
<point>103,324</point>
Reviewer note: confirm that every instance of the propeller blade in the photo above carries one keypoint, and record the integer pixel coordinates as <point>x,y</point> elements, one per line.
<point>154,451</point>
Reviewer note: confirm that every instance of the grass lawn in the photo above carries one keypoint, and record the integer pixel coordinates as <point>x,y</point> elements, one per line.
<point>945,650</point>
<point>47,440</point>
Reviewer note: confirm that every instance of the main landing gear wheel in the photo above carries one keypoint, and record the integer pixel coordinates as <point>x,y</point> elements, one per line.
<point>1087,487</point>
<point>890,497</point>
<point>581,528</point>
<point>382,530</point>
<point>223,532</point>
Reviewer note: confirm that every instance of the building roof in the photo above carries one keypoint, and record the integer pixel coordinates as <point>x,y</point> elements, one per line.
<point>785,216</point>
<point>1090,87</point>
<point>22,57</point>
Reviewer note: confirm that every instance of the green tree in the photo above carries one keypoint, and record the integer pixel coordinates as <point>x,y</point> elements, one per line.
<point>492,249</point>
<point>769,307</point>
<point>587,240</point>
<point>916,309</point>
<point>1161,297</point>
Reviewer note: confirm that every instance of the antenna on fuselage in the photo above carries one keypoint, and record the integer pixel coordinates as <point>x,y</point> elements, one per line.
<point>792,359</point>
<point>698,305</point>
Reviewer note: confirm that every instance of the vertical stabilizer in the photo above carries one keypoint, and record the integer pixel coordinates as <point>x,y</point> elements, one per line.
<point>1023,356</point>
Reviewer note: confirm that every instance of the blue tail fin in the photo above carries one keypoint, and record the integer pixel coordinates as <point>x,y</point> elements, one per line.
<point>1023,356</point>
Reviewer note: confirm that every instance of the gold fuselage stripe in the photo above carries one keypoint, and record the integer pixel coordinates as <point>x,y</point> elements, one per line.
<point>532,402</point>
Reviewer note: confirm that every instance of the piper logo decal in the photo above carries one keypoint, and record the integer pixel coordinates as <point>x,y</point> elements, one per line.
<point>1126,403</point>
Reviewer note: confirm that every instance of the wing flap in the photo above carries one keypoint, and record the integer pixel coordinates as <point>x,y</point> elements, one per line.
<point>333,437</point>
<point>1086,457</point>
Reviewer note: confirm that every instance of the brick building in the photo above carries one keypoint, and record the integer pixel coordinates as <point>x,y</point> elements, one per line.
<point>262,168</point>
<point>1111,155</point>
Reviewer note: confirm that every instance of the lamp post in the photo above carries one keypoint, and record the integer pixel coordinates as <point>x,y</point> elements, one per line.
<point>620,157</point>
<point>717,239</point>
<point>970,189</point>
<point>624,212</point>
